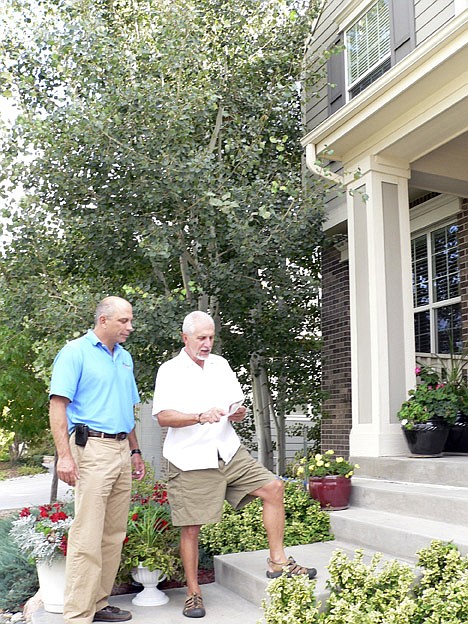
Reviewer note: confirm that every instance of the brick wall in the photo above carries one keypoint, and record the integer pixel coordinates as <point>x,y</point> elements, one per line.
<point>463,263</point>
<point>336,353</point>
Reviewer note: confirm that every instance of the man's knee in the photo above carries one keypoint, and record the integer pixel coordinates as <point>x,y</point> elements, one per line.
<point>190,532</point>
<point>272,492</point>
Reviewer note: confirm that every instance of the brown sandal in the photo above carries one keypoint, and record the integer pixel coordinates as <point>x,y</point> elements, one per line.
<point>193,606</point>
<point>289,568</point>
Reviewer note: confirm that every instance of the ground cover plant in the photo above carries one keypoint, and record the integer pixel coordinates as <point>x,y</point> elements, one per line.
<point>378,593</point>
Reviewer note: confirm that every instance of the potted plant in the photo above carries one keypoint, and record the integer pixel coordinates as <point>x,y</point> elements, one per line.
<point>432,407</point>
<point>329,479</point>
<point>150,551</point>
<point>42,534</point>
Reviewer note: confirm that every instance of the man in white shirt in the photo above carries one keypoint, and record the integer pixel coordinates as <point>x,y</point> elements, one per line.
<point>208,464</point>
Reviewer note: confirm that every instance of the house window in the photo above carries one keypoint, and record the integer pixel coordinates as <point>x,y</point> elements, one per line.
<point>368,49</point>
<point>436,291</point>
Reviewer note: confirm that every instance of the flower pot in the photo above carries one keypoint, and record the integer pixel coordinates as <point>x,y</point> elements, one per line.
<point>427,439</point>
<point>151,596</point>
<point>331,491</point>
<point>457,440</point>
<point>52,583</point>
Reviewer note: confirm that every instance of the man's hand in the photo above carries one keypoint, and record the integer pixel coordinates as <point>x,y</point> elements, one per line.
<point>67,470</point>
<point>214,414</point>
<point>238,415</point>
<point>138,467</point>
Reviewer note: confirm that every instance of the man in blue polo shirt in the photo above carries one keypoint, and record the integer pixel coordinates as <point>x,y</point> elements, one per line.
<point>92,396</point>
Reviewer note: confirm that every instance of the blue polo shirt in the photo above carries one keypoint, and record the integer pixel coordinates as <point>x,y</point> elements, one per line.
<point>100,385</point>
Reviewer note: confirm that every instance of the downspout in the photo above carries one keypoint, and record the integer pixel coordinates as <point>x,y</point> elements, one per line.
<point>313,165</point>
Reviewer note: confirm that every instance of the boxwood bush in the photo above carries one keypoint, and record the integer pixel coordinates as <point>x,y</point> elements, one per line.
<point>243,530</point>
<point>389,593</point>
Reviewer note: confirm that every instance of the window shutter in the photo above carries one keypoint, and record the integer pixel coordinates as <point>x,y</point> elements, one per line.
<point>402,31</point>
<point>336,78</point>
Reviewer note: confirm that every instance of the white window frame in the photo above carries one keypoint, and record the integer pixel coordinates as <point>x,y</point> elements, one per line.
<point>346,19</point>
<point>433,306</point>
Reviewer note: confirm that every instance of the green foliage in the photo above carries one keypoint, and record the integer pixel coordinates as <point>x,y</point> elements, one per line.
<point>23,397</point>
<point>323,464</point>
<point>18,577</point>
<point>151,539</point>
<point>378,593</point>
<point>243,530</point>
<point>291,600</point>
<point>157,148</point>
<point>438,394</point>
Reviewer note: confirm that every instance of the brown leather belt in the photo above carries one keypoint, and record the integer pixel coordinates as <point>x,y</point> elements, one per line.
<point>110,436</point>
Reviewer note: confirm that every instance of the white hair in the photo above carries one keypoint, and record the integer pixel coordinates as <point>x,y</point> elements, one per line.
<point>188,326</point>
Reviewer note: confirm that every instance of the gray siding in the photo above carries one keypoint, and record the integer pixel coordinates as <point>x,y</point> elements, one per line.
<point>430,16</point>
<point>326,33</point>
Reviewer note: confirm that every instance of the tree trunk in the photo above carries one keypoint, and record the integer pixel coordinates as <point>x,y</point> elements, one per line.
<point>261,409</point>
<point>280,424</point>
<point>54,485</point>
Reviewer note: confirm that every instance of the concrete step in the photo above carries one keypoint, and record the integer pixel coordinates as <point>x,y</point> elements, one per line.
<point>444,503</point>
<point>451,469</point>
<point>245,573</point>
<point>397,534</point>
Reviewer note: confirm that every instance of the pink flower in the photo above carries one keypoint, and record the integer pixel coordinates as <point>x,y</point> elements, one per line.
<point>417,370</point>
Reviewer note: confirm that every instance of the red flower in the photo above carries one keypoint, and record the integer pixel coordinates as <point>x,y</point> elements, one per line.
<point>135,517</point>
<point>58,515</point>
<point>126,539</point>
<point>25,512</point>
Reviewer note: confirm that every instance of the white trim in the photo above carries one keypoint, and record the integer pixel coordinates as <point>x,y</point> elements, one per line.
<point>352,12</point>
<point>460,6</point>
<point>433,212</point>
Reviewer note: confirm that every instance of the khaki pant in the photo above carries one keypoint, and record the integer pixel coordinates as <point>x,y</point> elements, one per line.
<point>102,498</point>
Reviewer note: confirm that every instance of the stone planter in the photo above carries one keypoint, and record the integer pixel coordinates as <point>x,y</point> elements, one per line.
<point>331,491</point>
<point>151,596</point>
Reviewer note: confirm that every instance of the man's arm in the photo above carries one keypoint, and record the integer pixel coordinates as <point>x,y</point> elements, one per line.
<point>67,470</point>
<point>173,418</point>
<point>138,465</point>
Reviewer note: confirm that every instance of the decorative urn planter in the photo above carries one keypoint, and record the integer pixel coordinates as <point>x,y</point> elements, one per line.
<point>52,583</point>
<point>457,440</point>
<point>151,596</point>
<point>427,439</point>
<point>331,491</point>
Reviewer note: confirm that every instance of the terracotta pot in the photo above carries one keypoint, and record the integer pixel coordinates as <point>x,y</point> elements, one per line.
<point>427,439</point>
<point>332,491</point>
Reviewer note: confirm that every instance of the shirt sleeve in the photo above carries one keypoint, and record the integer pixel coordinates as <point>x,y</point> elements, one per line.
<point>66,373</point>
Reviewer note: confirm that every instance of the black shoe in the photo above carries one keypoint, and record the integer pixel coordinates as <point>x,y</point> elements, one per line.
<point>112,614</point>
<point>193,607</point>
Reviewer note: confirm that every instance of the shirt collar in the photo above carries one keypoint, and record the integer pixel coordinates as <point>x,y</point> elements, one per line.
<point>94,340</point>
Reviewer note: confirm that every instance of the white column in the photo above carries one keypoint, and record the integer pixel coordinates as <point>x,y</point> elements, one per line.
<point>382,333</point>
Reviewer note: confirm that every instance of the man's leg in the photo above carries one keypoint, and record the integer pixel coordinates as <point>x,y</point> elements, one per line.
<point>189,555</point>
<point>272,495</point>
<point>193,607</point>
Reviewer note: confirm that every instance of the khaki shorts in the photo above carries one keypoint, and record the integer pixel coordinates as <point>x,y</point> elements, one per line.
<point>196,496</point>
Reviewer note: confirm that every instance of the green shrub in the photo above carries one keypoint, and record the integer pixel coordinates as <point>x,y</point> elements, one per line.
<point>388,593</point>
<point>18,577</point>
<point>243,530</point>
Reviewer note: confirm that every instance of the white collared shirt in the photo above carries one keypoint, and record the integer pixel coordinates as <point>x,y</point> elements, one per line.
<point>186,387</point>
